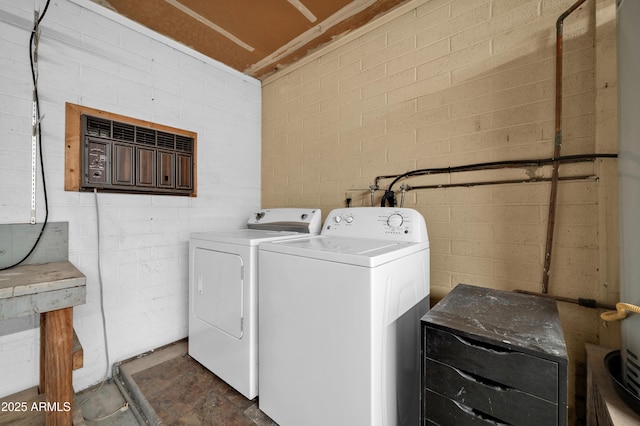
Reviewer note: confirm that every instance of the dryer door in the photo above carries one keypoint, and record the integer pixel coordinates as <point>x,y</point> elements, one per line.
<point>218,293</point>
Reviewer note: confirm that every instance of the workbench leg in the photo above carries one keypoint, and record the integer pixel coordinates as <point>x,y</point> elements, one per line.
<point>43,338</point>
<point>56,367</point>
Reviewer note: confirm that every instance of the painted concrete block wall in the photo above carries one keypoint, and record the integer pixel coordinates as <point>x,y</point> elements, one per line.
<point>452,82</point>
<point>90,56</point>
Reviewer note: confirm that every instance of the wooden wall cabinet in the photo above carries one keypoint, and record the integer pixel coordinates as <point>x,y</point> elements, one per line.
<point>114,153</point>
<point>146,167</point>
<point>166,165</point>
<point>123,164</point>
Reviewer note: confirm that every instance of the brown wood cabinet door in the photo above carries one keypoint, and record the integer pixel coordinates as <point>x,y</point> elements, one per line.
<point>146,167</point>
<point>122,165</point>
<point>166,177</point>
<point>184,174</point>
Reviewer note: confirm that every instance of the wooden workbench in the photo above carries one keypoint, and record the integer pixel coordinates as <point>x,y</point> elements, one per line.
<point>51,290</point>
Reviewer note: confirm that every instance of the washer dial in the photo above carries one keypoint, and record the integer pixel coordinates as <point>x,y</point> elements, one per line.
<point>395,220</point>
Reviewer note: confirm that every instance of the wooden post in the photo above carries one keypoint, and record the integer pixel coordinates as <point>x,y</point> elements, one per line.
<point>57,347</point>
<point>43,338</point>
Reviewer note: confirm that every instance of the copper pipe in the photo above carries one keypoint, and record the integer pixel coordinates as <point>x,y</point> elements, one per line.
<point>558,146</point>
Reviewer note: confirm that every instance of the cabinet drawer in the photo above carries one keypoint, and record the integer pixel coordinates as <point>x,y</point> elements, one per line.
<point>517,370</point>
<point>503,403</point>
<point>443,411</point>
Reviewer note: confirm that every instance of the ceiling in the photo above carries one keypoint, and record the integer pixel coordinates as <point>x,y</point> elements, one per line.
<point>255,37</point>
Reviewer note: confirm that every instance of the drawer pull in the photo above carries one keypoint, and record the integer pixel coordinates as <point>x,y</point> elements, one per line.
<point>471,412</point>
<point>471,378</point>
<point>484,348</point>
<point>465,408</point>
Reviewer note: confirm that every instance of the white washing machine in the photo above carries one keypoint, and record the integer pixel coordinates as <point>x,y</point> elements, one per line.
<point>340,321</point>
<point>223,292</point>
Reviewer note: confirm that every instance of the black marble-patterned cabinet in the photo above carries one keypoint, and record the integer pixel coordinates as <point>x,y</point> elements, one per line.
<point>493,357</point>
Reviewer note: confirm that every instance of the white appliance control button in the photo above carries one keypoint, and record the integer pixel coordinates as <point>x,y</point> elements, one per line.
<point>349,219</point>
<point>394,220</point>
<point>337,219</point>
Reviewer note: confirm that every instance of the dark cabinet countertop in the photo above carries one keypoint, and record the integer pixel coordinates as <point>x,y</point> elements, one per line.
<point>515,321</point>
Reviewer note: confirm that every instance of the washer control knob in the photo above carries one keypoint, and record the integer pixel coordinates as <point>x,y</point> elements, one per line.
<point>349,219</point>
<point>395,220</point>
<point>337,219</point>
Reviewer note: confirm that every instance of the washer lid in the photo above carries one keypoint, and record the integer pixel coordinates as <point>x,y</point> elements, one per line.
<point>245,237</point>
<point>353,251</point>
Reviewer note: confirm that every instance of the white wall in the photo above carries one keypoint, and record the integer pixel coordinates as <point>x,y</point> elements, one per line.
<point>92,57</point>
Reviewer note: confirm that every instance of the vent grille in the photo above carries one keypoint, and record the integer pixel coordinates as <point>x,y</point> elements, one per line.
<point>166,140</point>
<point>145,136</point>
<point>98,127</point>
<point>184,143</point>
<point>123,132</point>
<point>633,372</point>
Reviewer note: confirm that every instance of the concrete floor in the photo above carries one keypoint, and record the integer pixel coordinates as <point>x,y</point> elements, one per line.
<point>105,406</point>
<point>162,387</point>
<point>169,387</point>
<point>102,405</point>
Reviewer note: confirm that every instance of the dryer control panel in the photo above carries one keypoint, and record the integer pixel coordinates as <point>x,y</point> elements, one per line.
<point>382,223</point>
<point>306,221</point>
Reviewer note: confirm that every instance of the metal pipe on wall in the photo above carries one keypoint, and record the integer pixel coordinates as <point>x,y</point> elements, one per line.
<point>499,182</point>
<point>495,165</point>
<point>587,303</point>
<point>557,148</point>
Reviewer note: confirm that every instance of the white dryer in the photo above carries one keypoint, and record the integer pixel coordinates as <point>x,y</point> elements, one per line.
<point>339,320</point>
<point>223,292</point>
